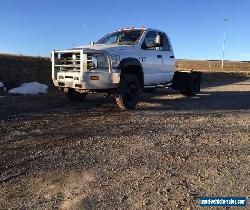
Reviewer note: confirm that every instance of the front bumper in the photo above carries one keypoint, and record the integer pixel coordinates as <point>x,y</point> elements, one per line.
<point>92,80</point>
<point>77,74</point>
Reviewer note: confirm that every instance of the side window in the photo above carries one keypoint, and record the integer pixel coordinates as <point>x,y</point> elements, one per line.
<point>166,45</point>
<point>150,40</point>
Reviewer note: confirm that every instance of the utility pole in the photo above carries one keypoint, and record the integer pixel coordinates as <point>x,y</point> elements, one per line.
<point>224,43</point>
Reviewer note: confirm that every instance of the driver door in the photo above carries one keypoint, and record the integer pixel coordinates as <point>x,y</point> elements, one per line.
<point>152,60</point>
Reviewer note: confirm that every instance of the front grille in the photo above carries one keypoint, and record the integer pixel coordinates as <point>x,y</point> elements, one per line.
<point>69,61</point>
<point>72,61</point>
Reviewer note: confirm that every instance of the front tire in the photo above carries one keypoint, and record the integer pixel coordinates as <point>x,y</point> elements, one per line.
<point>128,92</point>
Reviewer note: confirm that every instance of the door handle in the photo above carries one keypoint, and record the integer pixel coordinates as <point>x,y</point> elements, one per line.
<point>171,56</point>
<point>159,56</point>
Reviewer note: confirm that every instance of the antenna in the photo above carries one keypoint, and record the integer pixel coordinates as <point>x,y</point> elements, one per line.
<point>224,43</point>
<point>84,27</point>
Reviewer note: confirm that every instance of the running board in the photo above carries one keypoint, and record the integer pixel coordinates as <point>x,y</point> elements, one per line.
<point>158,86</point>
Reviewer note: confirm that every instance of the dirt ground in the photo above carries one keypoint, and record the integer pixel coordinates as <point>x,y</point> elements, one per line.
<point>165,154</point>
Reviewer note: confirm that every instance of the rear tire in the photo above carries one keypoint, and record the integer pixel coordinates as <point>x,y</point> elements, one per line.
<point>128,92</point>
<point>193,86</point>
<point>75,96</point>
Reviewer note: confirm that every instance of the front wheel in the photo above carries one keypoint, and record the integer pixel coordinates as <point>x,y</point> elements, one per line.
<point>128,92</point>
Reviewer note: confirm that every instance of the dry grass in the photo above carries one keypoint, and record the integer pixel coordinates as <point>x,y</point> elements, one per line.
<point>213,66</point>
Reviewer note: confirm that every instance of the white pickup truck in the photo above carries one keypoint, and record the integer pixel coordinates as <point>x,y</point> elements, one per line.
<point>122,63</point>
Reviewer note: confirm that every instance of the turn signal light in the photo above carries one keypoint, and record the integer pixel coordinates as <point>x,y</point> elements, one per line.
<point>94,78</point>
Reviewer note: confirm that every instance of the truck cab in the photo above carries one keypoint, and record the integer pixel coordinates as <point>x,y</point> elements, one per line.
<point>121,63</point>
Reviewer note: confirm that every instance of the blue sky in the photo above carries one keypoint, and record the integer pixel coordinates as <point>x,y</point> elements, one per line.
<point>35,27</point>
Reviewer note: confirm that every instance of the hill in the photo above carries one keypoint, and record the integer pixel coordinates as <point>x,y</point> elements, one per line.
<point>16,69</point>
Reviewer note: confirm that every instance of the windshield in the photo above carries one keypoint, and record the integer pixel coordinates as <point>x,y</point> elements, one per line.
<point>130,37</point>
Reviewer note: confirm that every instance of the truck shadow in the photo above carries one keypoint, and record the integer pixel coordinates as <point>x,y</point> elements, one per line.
<point>221,95</point>
<point>230,100</point>
<point>213,97</point>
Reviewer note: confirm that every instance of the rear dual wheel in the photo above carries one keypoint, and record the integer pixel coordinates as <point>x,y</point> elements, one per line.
<point>193,86</point>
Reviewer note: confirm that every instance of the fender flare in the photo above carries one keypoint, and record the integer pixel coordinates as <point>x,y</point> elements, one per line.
<point>137,68</point>
<point>130,62</point>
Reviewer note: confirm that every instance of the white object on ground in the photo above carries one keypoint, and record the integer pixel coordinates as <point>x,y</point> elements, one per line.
<point>1,85</point>
<point>32,88</point>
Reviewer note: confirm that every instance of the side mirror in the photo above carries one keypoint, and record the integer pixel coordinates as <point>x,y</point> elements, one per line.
<point>158,40</point>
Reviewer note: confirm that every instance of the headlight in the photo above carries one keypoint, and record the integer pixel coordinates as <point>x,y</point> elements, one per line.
<point>99,61</point>
<point>115,59</point>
